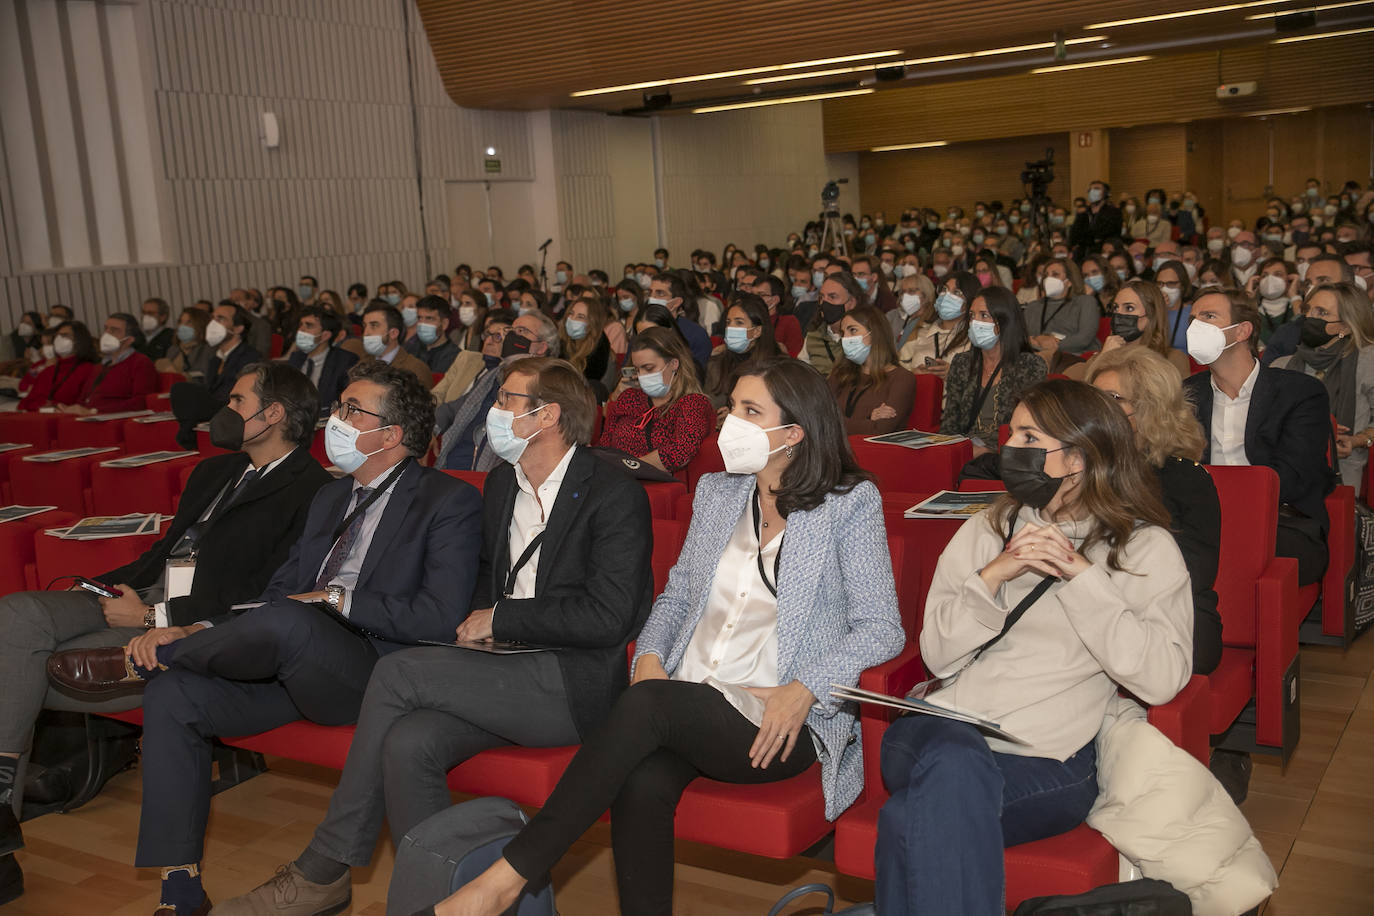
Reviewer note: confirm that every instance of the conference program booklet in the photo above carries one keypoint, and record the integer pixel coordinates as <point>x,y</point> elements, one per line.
<point>107,417</point>
<point>952,504</point>
<point>10,513</point>
<point>147,458</point>
<point>911,704</point>
<point>64,454</point>
<point>161,416</point>
<point>914,438</point>
<point>490,646</point>
<point>14,446</point>
<point>98,527</point>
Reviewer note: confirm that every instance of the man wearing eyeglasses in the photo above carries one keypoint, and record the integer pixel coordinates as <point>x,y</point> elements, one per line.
<point>388,557</point>
<point>460,424</point>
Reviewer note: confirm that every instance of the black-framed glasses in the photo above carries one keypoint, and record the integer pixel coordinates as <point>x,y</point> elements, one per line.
<point>343,410</point>
<point>502,395</point>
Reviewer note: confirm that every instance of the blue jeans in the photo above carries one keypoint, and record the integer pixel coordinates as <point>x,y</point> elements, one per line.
<point>956,805</point>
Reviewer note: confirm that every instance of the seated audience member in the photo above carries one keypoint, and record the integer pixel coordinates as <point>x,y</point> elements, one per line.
<point>669,291</point>
<point>1080,540</point>
<point>1063,321</point>
<point>461,424</point>
<point>583,342</point>
<point>1275,291</point>
<point>661,417</point>
<point>984,383</point>
<point>1359,255</point>
<point>760,710</point>
<point>1254,414</point>
<point>189,354</point>
<point>873,392</point>
<point>62,383</point>
<point>431,344</point>
<point>158,335</point>
<point>20,374</point>
<point>1100,281</point>
<point>388,556</point>
<point>1139,318</point>
<point>239,516</point>
<point>786,330</point>
<point>748,338</point>
<point>1171,440</point>
<point>942,333</point>
<point>381,341</point>
<point>1325,268</point>
<point>194,402</point>
<point>627,301</point>
<point>316,354</point>
<point>1338,348</point>
<point>258,334</point>
<point>24,341</point>
<point>1177,289</point>
<point>583,584</point>
<point>1243,266</point>
<point>839,293</point>
<point>469,364</point>
<point>471,316</point>
<point>124,378</point>
<point>410,316</point>
<point>805,292</point>
<point>915,304</point>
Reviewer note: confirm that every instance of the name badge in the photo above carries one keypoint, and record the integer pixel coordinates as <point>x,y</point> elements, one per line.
<point>180,573</point>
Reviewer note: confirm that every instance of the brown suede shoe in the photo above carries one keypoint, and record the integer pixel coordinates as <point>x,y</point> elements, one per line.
<point>288,893</point>
<point>93,670</point>
<point>164,909</point>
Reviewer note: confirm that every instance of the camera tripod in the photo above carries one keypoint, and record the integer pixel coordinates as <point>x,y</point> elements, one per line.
<point>832,232</point>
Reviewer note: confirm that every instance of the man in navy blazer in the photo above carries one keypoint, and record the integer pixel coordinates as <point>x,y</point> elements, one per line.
<point>1277,418</point>
<point>388,558</point>
<point>316,355</point>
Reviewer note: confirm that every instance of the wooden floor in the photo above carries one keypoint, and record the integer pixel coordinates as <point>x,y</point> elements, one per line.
<point>1316,821</point>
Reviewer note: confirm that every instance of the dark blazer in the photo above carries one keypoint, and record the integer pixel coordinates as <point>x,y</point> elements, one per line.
<point>156,347</point>
<point>223,373</point>
<point>239,552</point>
<point>333,374</point>
<point>594,586</point>
<point>416,580</point>
<point>1287,429</point>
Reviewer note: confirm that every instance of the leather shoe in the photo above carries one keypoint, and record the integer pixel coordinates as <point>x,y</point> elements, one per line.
<point>11,837</point>
<point>290,893</point>
<point>93,671</point>
<point>164,909</point>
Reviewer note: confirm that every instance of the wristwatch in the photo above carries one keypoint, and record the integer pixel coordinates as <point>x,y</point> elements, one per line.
<point>333,596</point>
<point>150,617</point>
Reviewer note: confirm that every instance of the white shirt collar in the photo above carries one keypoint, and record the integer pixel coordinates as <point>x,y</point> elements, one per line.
<point>1246,387</point>
<point>555,478</point>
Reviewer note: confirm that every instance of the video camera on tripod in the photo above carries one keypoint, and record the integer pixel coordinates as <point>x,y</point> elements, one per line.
<point>832,234</point>
<point>830,195</point>
<point>1038,174</point>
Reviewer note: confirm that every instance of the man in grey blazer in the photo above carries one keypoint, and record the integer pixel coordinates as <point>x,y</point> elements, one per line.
<point>566,547</point>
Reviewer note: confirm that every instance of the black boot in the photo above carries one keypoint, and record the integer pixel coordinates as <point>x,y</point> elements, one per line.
<point>10,836</point>
<point>11,879</point>
<point>1232,770</point>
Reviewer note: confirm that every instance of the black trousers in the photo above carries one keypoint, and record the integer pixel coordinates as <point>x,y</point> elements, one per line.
<point>659,737</point>
<point>1301,539</point>
<point>274,664</point>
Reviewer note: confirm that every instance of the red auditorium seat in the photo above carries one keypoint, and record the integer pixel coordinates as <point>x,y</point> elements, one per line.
<point>165,381</point>
<point>477,478</point>
<point>73,432</point>
<point>1104,328</point>
<point>141,438</point>
<point>37,429</point>
<point>278,344</point>
<point>17,570</point>
<point>207,448</point>
<point>6,496</point>
<point>62,484</point>
<point>926,409</point>
<point>1326,618</point>
<point>706,461</point>
<point>151,488</point>
<point>903,469</point>
<point>55,557</point>
<point>663,497</point>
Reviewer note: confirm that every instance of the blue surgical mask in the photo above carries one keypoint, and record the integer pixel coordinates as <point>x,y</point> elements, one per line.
<point>374,344</point>
<point>1001,230</point>
<point>737,339</point>
<point>491,300</point>
<point>427,333</point>
<point>410,315</point>
<point>392,299</point>
<point>799,291</point>
<point>948,306</point>
<point>1094,194</point>
<point>855,350</point>
<point>653,384</point>
<point>764,263</point>
<point>817,277</point>
<point>864,282</point>
<point>655,300</point>
<point>185,333</point>
<point>660,263</point>
<point>1095,282</point>
<point>501,433</point>
<point>982,334</point>
<point>560,276</point>
<point>306,342</point>
<point>576,329</point>
<point>627,305</point>
<point>341,445</point>
<point>304,291</point>
<point>869,239</point>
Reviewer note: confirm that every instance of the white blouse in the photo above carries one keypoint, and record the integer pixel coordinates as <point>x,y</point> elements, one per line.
<point>735,643</point>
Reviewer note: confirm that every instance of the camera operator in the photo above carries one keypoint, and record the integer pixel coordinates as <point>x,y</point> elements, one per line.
<point>1099,221</point>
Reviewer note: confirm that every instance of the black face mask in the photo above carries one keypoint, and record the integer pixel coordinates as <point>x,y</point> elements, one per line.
<point>513,344</point>
<point>1023,471</point>
<point>831,313</point>
<point>1126,326</point>
<point>1314,333</point>
<point>226,429</point>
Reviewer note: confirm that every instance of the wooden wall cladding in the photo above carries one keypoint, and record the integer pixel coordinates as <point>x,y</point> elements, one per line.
<point>1152,156</point>
<point>1167,89</point>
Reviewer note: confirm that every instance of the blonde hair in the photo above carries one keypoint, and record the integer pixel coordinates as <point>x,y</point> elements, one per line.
<point>1353,308</point>
<point>1165,425</point>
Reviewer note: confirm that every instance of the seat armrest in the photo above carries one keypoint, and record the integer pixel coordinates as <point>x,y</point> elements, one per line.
<point>1185,718</point>
<point>894,678</point>
<point>1340,548</point>
<point>1276,645</point>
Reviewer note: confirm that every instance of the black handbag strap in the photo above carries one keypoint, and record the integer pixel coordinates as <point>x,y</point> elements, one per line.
<point>1022,606</point>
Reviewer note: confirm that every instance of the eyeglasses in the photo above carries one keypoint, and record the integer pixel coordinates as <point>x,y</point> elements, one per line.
<point>344,411</point>
<point>502,395</point>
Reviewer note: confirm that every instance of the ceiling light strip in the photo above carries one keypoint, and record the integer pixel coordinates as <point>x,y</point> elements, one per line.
<point>1275,111</point>
<point>1309,9</point>
<point>1183,14</point>
<point>726,74</point>
<point>811,74</point>
<point>991,52</point>
<point>900,146</point>
<point>784,101</point>
<point>1093,63</point>
<point>1342,33</point>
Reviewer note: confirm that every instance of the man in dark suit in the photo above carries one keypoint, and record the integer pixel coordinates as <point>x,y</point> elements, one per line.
<point>1252,414</point>
<point>239,515</point>
<point>196,402</point>
<point>158,333</point>
<point>566,545</point>
<point>317,356</point>
<point>388,558</point>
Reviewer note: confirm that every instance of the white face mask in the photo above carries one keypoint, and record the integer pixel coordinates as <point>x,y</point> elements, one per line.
<point>744,445</point>
<point>63,346</point>
<point>1206,342</point>
<point>1172,295</point>
<point>911,303</point>
<point>1232,231</point>
<point>150,323</point>
<point>1053,287</point>
<point>341,445</point>
<point>374,344</point>
<point>215,333</point>
<point>1216,245</point>
<point>467,314</point>
<point>49,351</point>
<point>25,329</point>
<point>1241,256</point>
<point>1272,286</point>
<point>108,343</point>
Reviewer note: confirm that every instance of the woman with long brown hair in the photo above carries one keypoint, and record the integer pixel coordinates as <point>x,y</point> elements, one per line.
<point>1068,588</point>
<point>1139,318</point>
<point>875,394</point>
<point>661,415</point>
<point>583,343</point>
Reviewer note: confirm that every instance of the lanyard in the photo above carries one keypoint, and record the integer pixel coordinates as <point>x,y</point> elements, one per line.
<point>938,354</point>
<point>520,564</point>
<point>852,400</point>
<point>982,396</point>
<point>1046,319</point>
<point>375,495</point>
<point>57,382</point>
<point>758,538</point>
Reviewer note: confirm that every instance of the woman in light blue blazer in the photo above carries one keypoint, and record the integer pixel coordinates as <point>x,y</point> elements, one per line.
<point>783,587</point>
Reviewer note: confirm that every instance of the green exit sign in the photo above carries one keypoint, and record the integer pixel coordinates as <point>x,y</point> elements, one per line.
<point>492,165</point>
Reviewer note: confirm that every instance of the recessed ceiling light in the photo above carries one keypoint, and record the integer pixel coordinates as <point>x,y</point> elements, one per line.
<point>784,101</point>
<point>1093,63</point>
<point>1342,33</point>
<point>1183,14</point>
<point>926,145</point>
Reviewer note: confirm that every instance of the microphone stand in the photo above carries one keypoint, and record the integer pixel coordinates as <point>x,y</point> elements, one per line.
<point>543,267</point>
